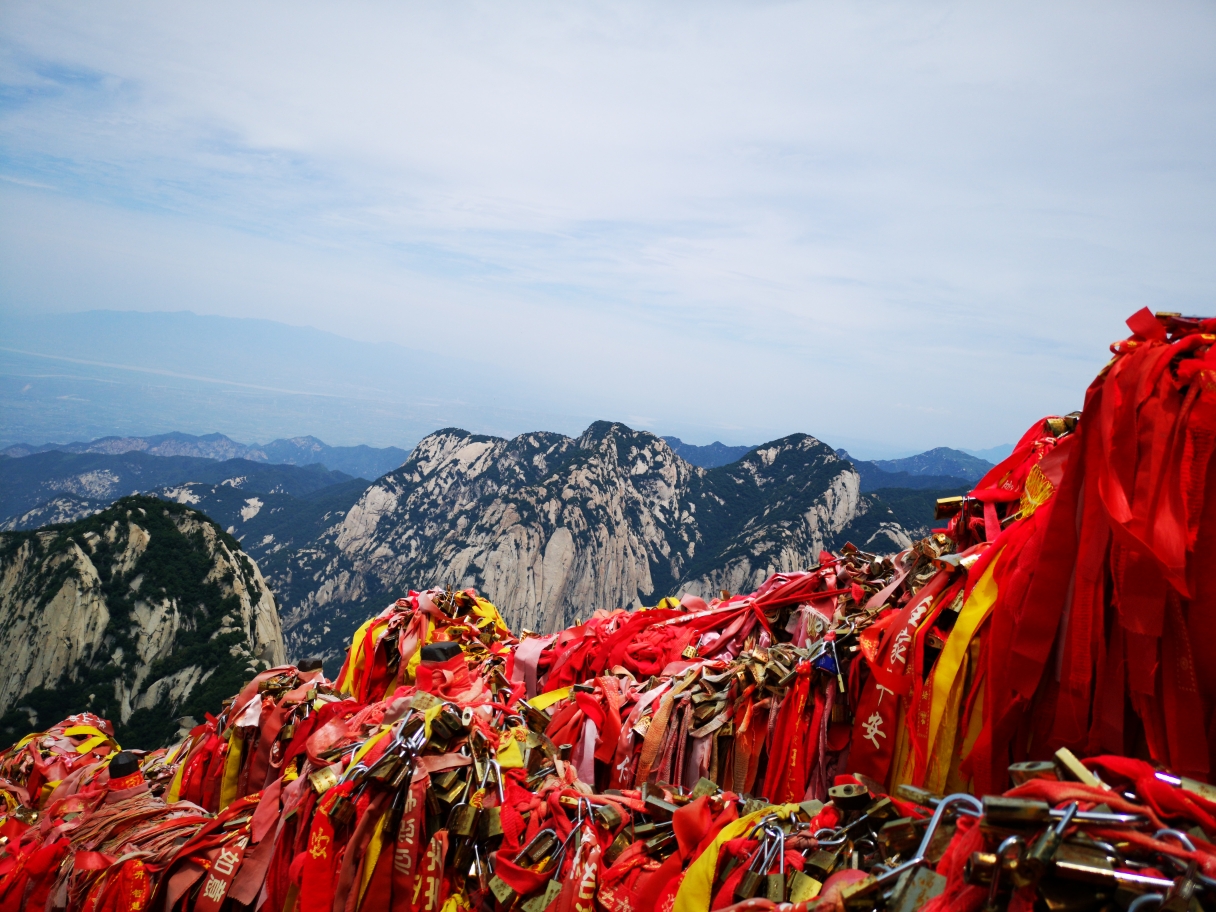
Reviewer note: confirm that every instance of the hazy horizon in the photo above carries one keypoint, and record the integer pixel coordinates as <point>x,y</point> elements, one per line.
<point>893,227</point>
<point>64,381</point>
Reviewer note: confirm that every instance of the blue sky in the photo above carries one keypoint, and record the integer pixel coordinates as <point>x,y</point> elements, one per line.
<point>891,225</point>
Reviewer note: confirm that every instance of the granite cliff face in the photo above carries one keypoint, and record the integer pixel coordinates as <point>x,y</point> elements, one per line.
<point>142,613</point>
<point>551,528</point>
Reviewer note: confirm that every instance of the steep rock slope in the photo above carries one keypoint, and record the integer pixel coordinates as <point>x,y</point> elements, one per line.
<point>551,527</point>
<point>142,613</point>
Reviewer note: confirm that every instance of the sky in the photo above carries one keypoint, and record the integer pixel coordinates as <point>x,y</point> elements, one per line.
<point>892,225</point>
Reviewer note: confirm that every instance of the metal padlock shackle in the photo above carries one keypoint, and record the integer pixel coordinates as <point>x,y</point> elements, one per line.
<point>779,834</point>
<point>399,740</point>
<point>1182,838</point>
<point>502,795</point>
<point>971,805</point>
<point>351,770</point>
<point>839,837</point>
<point>764,855</point>
<point>761,824</point>
<point>560,855</point>
<point>867,841</point>
<point>525,852</point>
<point>1013,842</point>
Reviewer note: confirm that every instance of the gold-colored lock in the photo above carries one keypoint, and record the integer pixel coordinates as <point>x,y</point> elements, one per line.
<point>540,847</point>
<point>900,835</point>
<point>502,890</point>
<point>749,886</point>
<point>821,864</point>
<point>803,887</point>
<point>463,820</point>
<point>849,797</point>
<point>619,845</point>
<point>323,779</point>
<point>542,901</point>
<point>491,817</point>
<point>342,813</point>
<point>490,823</point>
<point>775,888</point>
<point>387,769</point>
<point>755,877</point>
<point>608,816</point>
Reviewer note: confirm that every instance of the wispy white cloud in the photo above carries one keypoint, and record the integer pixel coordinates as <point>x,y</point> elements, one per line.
<point>752,217</point>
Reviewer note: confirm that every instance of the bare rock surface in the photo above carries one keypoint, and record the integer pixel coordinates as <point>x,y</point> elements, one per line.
<point>551,527</point>
<point>136,613</point>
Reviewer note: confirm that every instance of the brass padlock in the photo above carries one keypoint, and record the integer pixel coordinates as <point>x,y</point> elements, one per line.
<point>608,816</point>
<point>541,846</point>
<point>502,891</point>
<point>775,887</point>
<point>1001,811</point>
<point>1031,868</point>
<point>900,835</point>
<point>803,887</point>
<point>464,817</point>
<point>387,769</point>
<point>462,820</point>
<point>755,876</point>
<point>491,817</point>
<point>849,797</point>
<point>542,901</point>
<point>749,886</point>
<point>1021,773</point>
<point>661,845</point>
<point>821,864</point>
<point>619,845</point>
<point>342,813</point>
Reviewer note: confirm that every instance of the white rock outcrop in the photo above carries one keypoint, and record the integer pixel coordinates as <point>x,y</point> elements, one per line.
<point>60,590</point>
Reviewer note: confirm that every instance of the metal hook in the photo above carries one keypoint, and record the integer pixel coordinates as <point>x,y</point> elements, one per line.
<point>1183,839</point>
<point>1013,842</point>
<point>970,805</point>
<point>779,835</point>
<point>1146,901</point>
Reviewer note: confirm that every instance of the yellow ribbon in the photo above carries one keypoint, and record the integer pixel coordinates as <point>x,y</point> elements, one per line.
<point>975,609</point>
<point>696,889</point>
<point>368,745</point>
<point>374,847</point>
<point>545,700</point>
<point>355,665</point>
<point>175,787</point>
<point>232,770</point>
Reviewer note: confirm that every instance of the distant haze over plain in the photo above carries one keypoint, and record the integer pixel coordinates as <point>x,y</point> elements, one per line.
<point>893,226</point>
<point>77,377</point>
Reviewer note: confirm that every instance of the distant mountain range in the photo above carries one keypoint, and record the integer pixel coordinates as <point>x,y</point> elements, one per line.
<point>359,461</point>
<point>58,487</point>
<point>709,456</point>
<point>549,527</point>
<point>934,468</point>
<point>938,468</point>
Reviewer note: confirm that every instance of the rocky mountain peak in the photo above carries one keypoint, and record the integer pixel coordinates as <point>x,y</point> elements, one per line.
<point>551,527</point>
<point>142,613</point>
